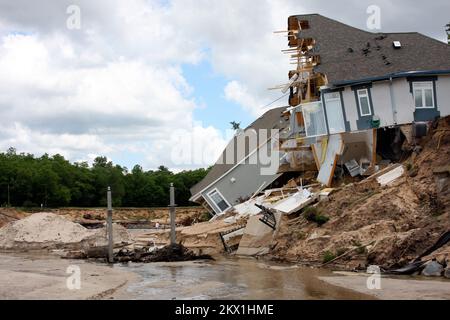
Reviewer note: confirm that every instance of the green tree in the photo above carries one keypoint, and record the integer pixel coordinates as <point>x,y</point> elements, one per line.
<point>53,181</point>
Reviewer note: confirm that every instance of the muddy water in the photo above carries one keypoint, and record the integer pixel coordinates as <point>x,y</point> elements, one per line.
<point>231,279</point>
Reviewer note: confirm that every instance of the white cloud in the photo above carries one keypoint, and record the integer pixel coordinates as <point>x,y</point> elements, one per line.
<point>65,144</point>
<point>242,44</point>
<point>116,88</point>
<point>235,91</point>
<point>111,108</point>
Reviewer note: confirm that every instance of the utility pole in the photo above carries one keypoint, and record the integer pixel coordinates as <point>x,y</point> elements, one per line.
<point>172,206</point>
<point>109,227</point>
<point>9,202</point>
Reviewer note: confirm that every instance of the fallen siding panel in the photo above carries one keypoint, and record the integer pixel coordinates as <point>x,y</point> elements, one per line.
<point>391,176</point>
<point>334,149</point>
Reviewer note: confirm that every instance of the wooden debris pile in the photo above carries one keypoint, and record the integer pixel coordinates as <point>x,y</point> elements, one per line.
<point>170,253</point>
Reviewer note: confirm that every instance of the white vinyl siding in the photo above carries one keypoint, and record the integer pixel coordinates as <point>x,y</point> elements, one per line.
<point>423,95</point>
<point>364,103</point>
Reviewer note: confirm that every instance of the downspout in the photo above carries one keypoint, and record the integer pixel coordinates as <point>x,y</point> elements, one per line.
<point>393,104</point>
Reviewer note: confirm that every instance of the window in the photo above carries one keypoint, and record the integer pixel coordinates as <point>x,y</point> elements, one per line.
<point>218,200</point>
<point>364,103</point>
<point>314,117</point>
<point>335,115</point>
<point>423,94</point>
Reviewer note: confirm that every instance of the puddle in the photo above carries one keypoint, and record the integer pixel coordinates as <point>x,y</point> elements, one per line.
<point>231,279</point>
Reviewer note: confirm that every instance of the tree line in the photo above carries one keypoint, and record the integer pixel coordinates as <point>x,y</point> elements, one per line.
<point>53,181</point>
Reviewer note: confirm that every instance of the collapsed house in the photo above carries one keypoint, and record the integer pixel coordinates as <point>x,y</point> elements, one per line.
<point>356,100</point>
<point>356,96</point>
<point>239,172</point>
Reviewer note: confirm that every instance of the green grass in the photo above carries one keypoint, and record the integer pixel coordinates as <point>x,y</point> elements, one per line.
<point>328,256</point>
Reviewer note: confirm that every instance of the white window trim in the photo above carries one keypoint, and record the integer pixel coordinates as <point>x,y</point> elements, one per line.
<point>215,204</point>
<point>325,95</point>
<point>338,99</point>
<point>423,94</point>
<point>360,95</point>
<point>324,121</point>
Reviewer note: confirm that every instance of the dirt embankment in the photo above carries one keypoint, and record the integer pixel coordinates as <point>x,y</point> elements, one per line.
<point>8,215</point>
<point>202,237</point>
<point>185,216</point>
<point>387,226</point>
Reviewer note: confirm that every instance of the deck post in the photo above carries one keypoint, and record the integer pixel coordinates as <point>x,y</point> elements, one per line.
<point>109,227</point>
<point>172,206</point>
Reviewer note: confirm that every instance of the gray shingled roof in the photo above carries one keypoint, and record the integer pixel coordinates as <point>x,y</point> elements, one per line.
<point>342,58</point>
<point>273,119</point>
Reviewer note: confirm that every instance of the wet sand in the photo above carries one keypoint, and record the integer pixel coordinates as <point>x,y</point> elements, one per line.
<point>398,288</point>
<point>32,277</point>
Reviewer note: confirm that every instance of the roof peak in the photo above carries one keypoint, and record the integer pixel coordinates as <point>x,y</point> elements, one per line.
<point>348,53</point>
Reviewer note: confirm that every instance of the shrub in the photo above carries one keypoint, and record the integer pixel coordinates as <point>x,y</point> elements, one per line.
<point>321,220</point>
<point>204,217</point>
<point>356,243</point>
<point>341,251</point>
<point>312,214</point>
<point>328,256</point>
<point>361,250</point>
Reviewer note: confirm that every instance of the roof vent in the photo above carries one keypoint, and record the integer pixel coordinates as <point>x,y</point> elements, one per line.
<point>397,44</point>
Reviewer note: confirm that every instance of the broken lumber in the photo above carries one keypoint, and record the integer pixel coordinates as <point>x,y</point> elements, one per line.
<point>381,173</point>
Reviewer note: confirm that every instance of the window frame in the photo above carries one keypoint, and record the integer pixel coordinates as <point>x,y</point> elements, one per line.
<point>324,119</point>
<point>366,95</point>
<point>215,190</point>
<point>341,105</point>
<point>422,90</point>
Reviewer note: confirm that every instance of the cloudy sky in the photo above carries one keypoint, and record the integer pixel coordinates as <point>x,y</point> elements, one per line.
<point>141,82</point>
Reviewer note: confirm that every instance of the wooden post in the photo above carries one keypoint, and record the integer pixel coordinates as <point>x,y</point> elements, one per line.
<point>172,206</point>
<point>9,202</point>
<point>109,228</point>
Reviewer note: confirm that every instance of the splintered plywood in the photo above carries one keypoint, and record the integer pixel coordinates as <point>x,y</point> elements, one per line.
<point>315,153</point>
<point>334,150</point>
<point>318,152</point>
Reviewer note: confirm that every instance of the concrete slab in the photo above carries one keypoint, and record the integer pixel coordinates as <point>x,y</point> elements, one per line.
<point>257,237</point>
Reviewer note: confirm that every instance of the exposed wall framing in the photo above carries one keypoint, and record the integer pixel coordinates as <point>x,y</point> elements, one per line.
<point>302,54</point>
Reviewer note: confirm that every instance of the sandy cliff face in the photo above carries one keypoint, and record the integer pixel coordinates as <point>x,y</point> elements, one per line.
<point>398,221</point>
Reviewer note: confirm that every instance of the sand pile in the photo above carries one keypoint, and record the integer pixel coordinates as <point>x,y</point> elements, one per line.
<point>43,231</point>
